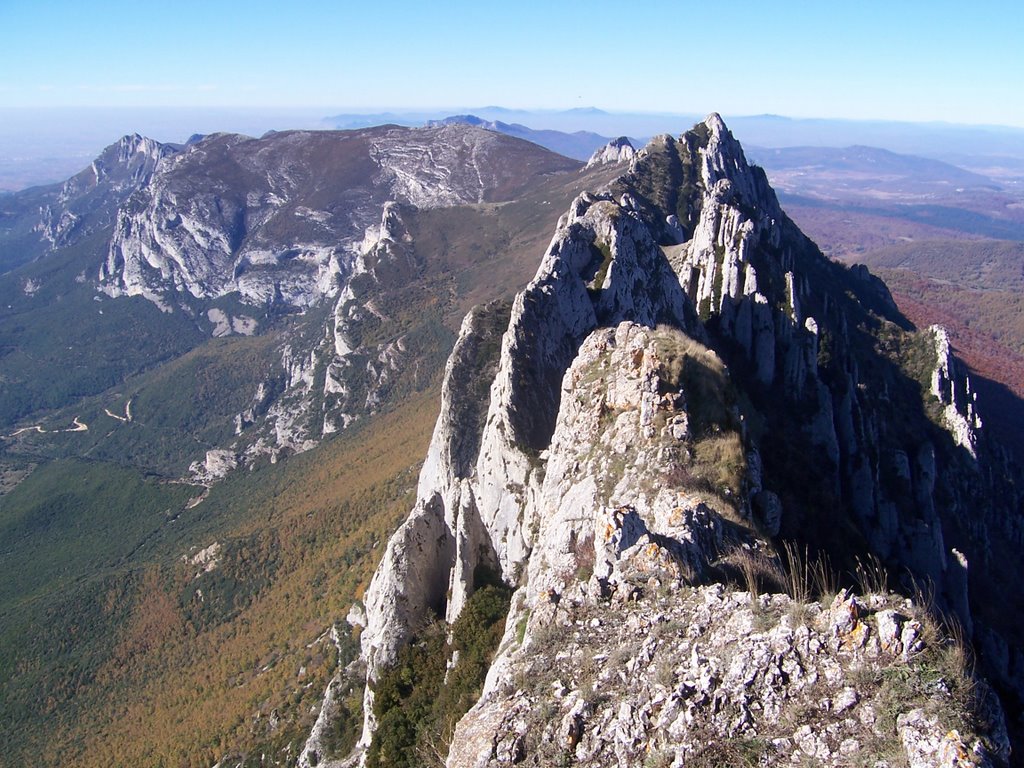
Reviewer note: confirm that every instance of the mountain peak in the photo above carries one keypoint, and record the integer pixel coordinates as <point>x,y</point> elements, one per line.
<point>197,229</point>
<point>618,150</point>
<point>461,119</point>
<point>89,200</point>
<point>142,152</point>
<point>686,377</point>
<point>715,124</point>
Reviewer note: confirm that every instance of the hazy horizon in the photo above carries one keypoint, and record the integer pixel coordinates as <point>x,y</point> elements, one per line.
<point>74,77</point>
<point>40,145</point>
<point>914,61</point>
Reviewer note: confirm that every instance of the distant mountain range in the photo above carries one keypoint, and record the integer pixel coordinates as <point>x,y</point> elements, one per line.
<point>936,140</point>
<point>588,119</point>
<point>579,145</point>
<point>44,146</point>
<point>867,162</point>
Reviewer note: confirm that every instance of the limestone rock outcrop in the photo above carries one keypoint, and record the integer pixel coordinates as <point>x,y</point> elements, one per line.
<point>951,386</point>
<point>88,201</point>
<point>618,150</point>
<point>709,676</point>
<point>475,488</point>
<point>685,383</point>
<point>242,232</point>
<point>260,217</point>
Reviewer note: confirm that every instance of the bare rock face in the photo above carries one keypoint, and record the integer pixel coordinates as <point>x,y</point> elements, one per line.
<point>951,386</point>
<point>217,464</point>
<point>195,229</point>
<point>607,493</point>
<point>281,219</point>
<point>618,150</point>
<point>442,522</point>
<point>590,277</point>
<point>302,222</point>
<point>478,487</point>
<point>685,378</point>
<point>710,676</point>
<point>89,200</point>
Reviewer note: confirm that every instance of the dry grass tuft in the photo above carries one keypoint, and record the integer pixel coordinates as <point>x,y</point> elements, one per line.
<point>753,571</point>
<point>808,576</point>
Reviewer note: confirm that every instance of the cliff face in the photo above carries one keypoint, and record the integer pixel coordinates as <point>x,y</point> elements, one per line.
<point>686,383</point>
<point>61,215</point>
<point>479,491</point>
<point>241,232</point>
<point>88,201</point>
<point>618,150</point>
<point>281,218</point>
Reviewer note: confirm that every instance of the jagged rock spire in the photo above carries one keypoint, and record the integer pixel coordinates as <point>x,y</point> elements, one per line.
<point>618,150</point>
<point>589,455</point>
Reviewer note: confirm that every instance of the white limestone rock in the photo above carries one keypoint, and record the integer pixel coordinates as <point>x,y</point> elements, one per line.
<point>88,201</point>
<point>618,150</point>
<point>217,464</point>
<point>927,745</point>
<point>694,674</point>
<point>221,216</point>
<point>206,559</point>
<point>951,386</point>
<point>573,478</point>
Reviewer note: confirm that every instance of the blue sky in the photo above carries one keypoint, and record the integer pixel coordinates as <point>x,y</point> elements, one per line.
<point>899,60</point>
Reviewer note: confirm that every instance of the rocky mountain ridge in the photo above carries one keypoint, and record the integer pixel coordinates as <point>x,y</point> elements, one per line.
<point>292,237</point>
<point>94,193</point>
<point>686,387</point>
<point>618,150</point>
<point>197,230</point>
<point>579,145</point>
<point>42,219</point>
<point>237,234</point>
<point>685,379</point>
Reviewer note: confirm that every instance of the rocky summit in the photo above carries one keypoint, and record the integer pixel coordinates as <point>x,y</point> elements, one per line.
<point>742,513</point>
<point>618,150</point>
<point>696,495</point>
<point>235,233</point>
<point>274,219</point>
